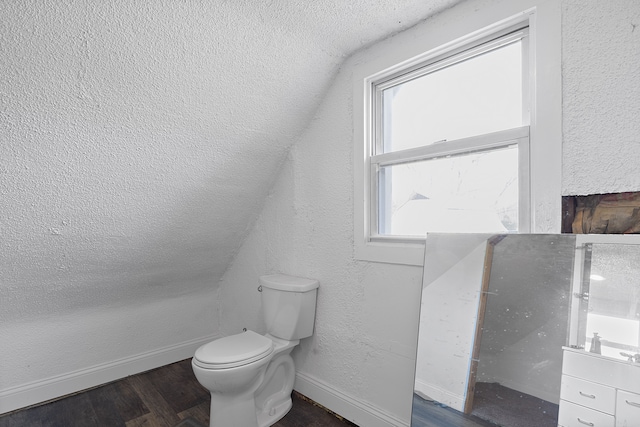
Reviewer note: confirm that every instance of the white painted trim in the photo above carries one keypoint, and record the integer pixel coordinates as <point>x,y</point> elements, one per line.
<point>615,239</point>
<point>345,405</point>
<point>61,385</point>
<point>546,119</point>
<point>445,33</point>
<point>578,270</point>
<point>471,144</point>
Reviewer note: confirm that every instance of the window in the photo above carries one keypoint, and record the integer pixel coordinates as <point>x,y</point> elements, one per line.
<point>451,142</point>
<point>482,154</point>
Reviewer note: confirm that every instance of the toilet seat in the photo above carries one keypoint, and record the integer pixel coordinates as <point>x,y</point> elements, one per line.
<point>233,351</point>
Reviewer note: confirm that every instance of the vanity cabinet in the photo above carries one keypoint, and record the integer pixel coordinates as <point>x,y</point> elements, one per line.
<point>573,415</point>
<point>598,392</point>
<point>627,409</point>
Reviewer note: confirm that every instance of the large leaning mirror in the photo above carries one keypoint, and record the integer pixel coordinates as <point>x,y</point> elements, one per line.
<point>522,330</point>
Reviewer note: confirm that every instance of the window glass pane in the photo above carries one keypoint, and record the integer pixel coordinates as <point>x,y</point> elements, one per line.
<point>474,192</point>
<point>480,95</point>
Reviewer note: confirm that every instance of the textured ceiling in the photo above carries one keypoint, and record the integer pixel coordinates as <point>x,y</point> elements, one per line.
<point>140,138</point>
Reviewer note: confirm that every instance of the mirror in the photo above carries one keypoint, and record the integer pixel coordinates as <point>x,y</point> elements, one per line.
<point>609,310</point>
<point>498,314</point>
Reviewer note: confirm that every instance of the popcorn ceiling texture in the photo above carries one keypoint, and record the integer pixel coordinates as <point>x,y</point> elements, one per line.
<point>139,140</point>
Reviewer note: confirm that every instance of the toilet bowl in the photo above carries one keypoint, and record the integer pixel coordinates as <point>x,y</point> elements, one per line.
<point>250,376</point>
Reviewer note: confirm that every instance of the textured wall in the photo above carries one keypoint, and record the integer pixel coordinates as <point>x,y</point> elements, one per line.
<point>138,141</point>
<point>86,338</point>
<point>601,96</point>
<point>364,343</point>
<point>365,322</point>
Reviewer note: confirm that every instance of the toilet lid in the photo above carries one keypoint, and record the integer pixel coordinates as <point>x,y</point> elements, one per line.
<point>232,351</point>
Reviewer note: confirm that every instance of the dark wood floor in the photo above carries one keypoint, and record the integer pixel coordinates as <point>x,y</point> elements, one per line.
<point>426,413</point>
<point>493,406</point>
<point>507,407</point>
<point>159,398</point>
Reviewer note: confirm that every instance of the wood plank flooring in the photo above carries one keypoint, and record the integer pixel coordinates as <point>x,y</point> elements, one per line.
<point>494,406</point>
<point>504,406</point>
<point>426,413</point>
<point>159,398</point>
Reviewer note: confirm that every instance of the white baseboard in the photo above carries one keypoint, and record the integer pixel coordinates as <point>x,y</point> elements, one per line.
<point>54,387</point>
<point>361,413</point>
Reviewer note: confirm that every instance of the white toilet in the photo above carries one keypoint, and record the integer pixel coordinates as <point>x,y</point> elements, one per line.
<point>250,376</point>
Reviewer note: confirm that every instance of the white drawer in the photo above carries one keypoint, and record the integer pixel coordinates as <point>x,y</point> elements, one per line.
<point>593,367</point>
<point>627,409</point>
<point>589,394</point>
<point>572,415</point>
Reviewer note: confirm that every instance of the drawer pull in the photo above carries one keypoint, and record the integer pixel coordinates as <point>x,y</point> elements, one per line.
<point>586,423</point>
<point>590,396</point>
<point>637,405</point>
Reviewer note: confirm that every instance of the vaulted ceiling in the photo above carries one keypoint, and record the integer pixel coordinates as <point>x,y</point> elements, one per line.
<point>139,138</point>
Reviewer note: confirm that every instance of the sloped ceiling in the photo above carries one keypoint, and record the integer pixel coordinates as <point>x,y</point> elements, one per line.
<point>139,138</point>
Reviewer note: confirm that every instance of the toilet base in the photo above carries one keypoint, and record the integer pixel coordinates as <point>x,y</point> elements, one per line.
<point>275,414</point>
<point>232,412</point>
<point>264,395</point>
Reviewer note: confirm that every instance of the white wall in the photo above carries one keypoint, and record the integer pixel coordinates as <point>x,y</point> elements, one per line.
<point>96,142</point>
<point>138,141</point>
<point>365,333</point>
<point>45,358</point>
<point>366,324</point>
<point>448,322</point>
<point>601,96</point>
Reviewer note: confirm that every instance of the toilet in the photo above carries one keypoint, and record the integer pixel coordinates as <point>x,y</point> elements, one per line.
<point>250,376</point>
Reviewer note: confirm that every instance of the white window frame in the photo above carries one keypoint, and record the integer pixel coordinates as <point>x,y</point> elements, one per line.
<point>473,144</point>
<point>516,136</point>
<point>396,55</point>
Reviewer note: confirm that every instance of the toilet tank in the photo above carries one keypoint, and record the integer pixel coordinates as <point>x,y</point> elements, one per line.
<point>289,305</point>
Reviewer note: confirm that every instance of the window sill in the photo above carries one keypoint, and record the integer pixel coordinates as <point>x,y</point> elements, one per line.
<point>390,252</point>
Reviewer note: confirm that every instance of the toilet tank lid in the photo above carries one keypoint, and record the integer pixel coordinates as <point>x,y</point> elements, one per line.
<point>282,282</point>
